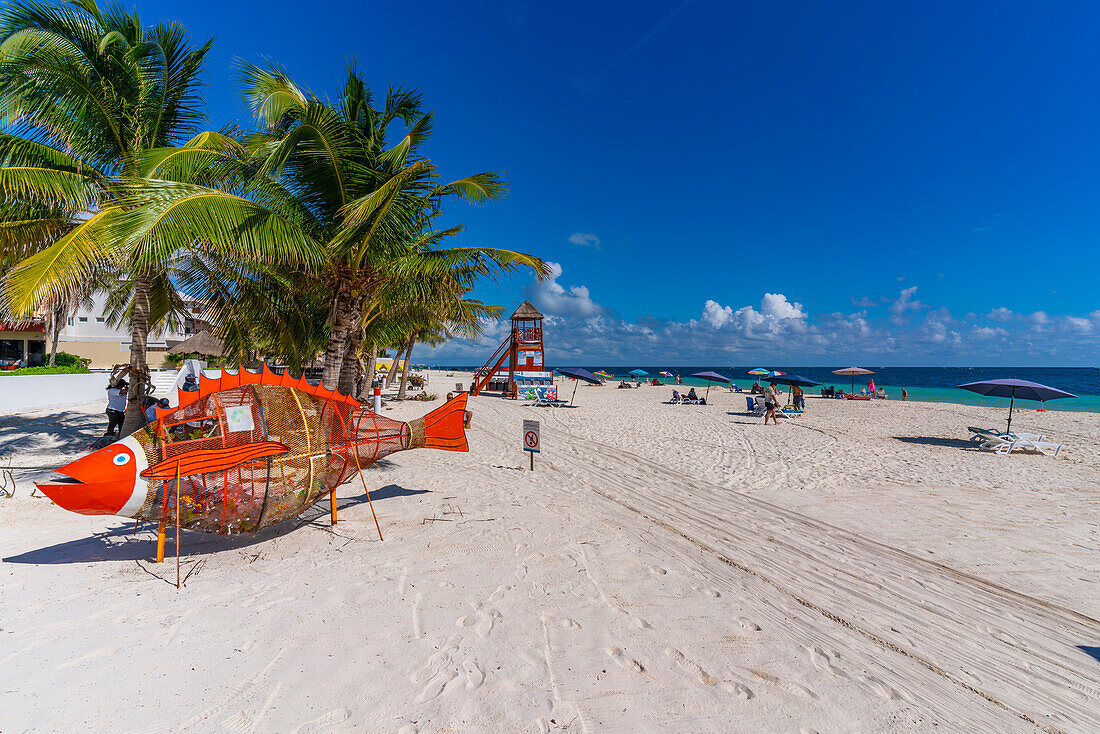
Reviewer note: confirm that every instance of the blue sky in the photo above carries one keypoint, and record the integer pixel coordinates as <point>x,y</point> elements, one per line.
<point>725,182</point>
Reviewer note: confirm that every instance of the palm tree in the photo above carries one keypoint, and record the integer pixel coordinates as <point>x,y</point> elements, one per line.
<point>324,167</point>
<point>86,90</point>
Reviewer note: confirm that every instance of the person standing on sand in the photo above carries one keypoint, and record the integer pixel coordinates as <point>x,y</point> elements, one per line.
<point>904,395</point>
<point>771,402</point>
<point>116,406</point>
<point>797,398</point>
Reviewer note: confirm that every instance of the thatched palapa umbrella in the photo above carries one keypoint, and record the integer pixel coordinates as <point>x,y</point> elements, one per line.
<point>202,343</point>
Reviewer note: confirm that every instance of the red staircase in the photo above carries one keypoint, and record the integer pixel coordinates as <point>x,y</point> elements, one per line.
<point>485,374</point>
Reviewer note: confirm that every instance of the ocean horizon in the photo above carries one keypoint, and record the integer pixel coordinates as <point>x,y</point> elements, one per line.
<point>925,384</point>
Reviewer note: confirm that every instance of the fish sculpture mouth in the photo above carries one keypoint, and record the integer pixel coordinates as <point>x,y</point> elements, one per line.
<point>105,482</point>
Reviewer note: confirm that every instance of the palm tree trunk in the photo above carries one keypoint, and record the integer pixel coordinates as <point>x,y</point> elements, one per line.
<point>58,317</point>
<point>372,367</point>
<point>139,368</point>
<point>343,318</point>
<point>51,329</point>
<point>405,372</point>
<point>346,383</point>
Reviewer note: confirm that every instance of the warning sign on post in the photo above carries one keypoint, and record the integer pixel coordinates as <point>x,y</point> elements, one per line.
<point>531,436</point>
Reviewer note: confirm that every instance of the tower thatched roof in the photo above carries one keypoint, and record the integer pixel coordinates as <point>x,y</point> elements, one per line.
<point>526,310</point>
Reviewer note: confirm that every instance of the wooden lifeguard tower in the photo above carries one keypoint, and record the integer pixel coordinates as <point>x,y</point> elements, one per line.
<point>522,351</point>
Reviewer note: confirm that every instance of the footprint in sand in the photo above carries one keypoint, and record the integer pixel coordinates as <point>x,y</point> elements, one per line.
<point>474,675</point>
<point>316,725</point>
<point>642,624</point>
<point>436,685</point>
<point>657,570</point>
<point>690,667</point>
<point>748,624</point>
<point>740,689</point>
<point>566,623</point>
<point>823,661</point>
<point>435,662</point>
<point>499,593</point>
<point>877,687</point>
<point>623,661</point>
<point>708,591</point>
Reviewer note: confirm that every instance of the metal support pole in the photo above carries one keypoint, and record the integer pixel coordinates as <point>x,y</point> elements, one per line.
<point>1011,402</point>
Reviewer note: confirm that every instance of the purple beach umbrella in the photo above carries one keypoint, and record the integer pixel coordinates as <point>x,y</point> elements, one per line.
<point>578,373</point>
<point>1013,388</point>
<point>710,377</point>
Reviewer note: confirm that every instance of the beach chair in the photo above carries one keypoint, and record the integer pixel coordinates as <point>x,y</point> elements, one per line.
<point>677,398</point>
<point>980,435</point>
<point>1008,443</point>
<point>755,404</point>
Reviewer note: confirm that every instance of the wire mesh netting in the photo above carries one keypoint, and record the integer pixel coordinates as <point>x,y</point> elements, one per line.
<point>324,439</point>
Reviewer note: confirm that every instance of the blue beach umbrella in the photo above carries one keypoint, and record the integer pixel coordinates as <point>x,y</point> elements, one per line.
<point>578,373</point>
<point>1012,389</point>
<point>638,373</point>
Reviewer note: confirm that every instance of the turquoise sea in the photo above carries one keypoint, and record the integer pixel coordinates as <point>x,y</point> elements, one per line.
<point>934,384</point>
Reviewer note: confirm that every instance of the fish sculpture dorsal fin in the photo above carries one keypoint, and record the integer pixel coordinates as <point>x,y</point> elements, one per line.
<point>229,380</point>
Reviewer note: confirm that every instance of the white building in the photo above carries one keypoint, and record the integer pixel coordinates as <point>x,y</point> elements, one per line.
<point>87,334</point>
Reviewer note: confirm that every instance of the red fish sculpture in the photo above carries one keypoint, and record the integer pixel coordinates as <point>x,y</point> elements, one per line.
<point>248,450</point>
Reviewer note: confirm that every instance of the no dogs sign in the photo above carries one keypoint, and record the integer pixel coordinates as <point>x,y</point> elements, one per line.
<point>531,436</point>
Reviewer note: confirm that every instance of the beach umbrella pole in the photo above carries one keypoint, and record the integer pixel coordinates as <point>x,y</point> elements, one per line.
<point>575,383</point>
<point>1011,402</point>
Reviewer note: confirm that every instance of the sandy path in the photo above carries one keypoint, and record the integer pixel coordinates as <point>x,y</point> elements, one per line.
<point>622,586</point>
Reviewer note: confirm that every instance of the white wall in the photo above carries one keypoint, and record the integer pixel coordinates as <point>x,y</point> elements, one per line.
<point>23,393</point>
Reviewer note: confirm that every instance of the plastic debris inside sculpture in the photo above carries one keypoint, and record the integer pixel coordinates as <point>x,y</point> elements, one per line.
<point>243,452</point>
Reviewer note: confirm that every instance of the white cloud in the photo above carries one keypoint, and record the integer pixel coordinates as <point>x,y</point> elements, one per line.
<point>776,315</point>
<point>1000,313</point>
<point>553,298</point>
<point>717,315</point>
<point>777,305</point>
<point>904,302</point>
<point>585,239</point>
<point>989,332</point>
<point>1079,324</point>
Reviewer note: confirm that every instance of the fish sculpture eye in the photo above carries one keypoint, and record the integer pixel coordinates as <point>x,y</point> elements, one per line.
<point>121,459</point>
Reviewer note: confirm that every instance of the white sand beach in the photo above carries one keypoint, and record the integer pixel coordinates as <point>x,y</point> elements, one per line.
<point>665,568</point>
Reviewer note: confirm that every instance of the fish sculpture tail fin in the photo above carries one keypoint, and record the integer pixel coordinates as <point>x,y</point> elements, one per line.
<point>442,428</point>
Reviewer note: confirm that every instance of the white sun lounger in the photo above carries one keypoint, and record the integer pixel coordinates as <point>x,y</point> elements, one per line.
<point>1008,443</point>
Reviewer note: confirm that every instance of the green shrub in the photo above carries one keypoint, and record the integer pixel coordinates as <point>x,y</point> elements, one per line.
<point>64,359</point>
<point>77,370</point>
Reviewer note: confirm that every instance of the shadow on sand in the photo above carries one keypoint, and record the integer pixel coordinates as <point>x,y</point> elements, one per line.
<point>123,544</point>
<point>63,431</point>
<point>954,443</point>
